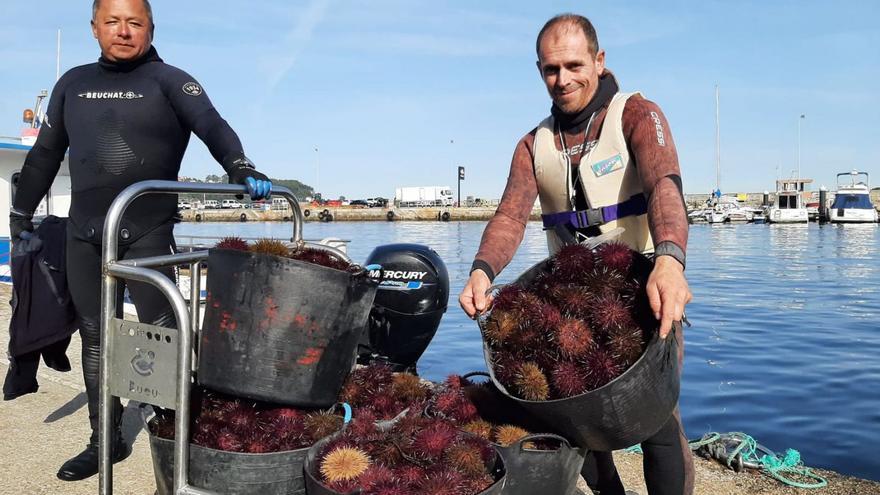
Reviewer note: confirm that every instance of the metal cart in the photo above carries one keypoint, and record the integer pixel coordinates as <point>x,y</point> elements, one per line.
<point>154,364</point>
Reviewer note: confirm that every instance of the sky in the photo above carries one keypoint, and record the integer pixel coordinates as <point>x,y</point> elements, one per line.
<point>358,97</point>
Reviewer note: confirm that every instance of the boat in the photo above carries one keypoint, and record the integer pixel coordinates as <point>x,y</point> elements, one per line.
<point>13,150</point>
<point>716,213</point>
<point>790,206</point>
<point>759,214</point>
<point>852,202</point>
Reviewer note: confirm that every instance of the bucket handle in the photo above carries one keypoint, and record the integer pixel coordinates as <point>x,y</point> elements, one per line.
<point>477,373</point>
<point>671,351</point>
<point>373,267</point>
<point>543,436</point>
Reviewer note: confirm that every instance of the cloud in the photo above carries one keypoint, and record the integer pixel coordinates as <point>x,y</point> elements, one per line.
<point>435,44</point>
<point>284,58</point>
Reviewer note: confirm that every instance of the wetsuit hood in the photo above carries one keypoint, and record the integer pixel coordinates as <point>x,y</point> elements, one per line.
<point>150,56</point>
<point>607,89</point>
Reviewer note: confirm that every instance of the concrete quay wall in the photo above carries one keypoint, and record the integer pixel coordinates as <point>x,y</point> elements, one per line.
<point>484,213</point>
<point>342,214</point>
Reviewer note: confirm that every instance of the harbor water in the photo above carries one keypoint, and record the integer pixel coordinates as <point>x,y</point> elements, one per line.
<point>786,326</point>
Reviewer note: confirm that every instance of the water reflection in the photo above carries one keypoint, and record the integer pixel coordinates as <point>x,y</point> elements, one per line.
<point>784,344</point>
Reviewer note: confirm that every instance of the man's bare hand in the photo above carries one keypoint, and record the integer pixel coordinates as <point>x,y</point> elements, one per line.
<point>668,292</point>
<point>473,298</point>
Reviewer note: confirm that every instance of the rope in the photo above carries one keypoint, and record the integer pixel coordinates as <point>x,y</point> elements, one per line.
<point>791,463</point>
<point>789,469</point>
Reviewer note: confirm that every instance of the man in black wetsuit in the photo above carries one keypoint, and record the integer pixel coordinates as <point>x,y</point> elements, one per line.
<point>125,119</point>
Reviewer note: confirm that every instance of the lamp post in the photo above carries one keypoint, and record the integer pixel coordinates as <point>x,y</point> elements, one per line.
<point>460,178</point>
<point>317,171</point>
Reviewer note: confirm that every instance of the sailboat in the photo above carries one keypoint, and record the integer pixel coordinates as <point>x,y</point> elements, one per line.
<point>717,214</point>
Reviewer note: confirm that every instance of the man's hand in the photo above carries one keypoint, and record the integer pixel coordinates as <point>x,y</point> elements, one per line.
<point>19,222</point>
<point>473,298</point>
<point>668,292</point>
<point>242,172</point>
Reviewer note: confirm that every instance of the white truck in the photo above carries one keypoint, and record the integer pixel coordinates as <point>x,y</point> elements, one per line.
<point>423,196</point>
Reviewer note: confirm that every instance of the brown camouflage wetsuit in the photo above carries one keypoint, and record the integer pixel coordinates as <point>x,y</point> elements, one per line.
<point>668,462</point>
<point>657,166</point>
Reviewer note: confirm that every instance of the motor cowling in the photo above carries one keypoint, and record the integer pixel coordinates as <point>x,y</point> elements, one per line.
<point>412,296</point>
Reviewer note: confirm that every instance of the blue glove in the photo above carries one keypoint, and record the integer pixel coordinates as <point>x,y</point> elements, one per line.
<point>259,188</point>
<point>242,171</point>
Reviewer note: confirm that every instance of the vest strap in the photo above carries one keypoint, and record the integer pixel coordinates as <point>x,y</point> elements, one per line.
<point>581,219</point>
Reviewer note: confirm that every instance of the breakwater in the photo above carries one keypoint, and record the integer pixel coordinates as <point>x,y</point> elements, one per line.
<point>346,213</point>
<point>313,213</point>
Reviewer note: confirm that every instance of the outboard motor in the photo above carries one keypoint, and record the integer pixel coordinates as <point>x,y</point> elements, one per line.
<point>409,304</point>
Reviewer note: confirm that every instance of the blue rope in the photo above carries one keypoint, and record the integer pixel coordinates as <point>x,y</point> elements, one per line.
<point>746,453</point>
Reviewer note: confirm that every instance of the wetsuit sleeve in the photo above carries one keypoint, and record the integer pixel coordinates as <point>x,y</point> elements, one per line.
<point>505,230</point>
<point>44,159</point>
<point>195,111</point>
<point>651,146</point>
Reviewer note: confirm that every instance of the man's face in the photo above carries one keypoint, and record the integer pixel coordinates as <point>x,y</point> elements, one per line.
<point>569,70</point>
<point>123,29</point>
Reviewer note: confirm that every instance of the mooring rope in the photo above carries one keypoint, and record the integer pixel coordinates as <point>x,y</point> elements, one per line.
<point>788,469</point>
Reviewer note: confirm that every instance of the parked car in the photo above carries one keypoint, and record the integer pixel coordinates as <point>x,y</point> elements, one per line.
<point>183,205</point>
<point>359,203</point>
<point>212,204</point>
<point>230,203</point>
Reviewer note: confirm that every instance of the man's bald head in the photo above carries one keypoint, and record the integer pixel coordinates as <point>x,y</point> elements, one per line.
<point>574,22</point>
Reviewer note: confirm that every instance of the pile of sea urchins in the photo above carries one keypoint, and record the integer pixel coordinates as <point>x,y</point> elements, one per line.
<point>574,327</point>
<point>276,247</point>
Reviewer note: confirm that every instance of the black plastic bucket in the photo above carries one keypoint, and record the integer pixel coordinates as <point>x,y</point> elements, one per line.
<point>281,330</point>
<point>529,471</point>
<point>233,473</point>
<point>314,486</point>
<point>625,411</point>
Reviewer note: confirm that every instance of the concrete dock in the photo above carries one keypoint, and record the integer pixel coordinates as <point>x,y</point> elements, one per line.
<point>344,214</point>
<point>38,432</point>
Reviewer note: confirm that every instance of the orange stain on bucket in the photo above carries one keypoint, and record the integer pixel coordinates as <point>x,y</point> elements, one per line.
<point>271,309</point>
<point>313,354</point>
<point>227,324</point>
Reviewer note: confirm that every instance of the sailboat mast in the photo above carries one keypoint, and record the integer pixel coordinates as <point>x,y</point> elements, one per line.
<point>717,140</point>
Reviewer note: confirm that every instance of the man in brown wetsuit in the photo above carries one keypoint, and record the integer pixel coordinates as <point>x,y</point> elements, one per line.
<point>602,160</point>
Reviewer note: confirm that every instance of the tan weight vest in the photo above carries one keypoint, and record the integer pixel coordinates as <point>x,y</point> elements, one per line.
<point>606,176</point>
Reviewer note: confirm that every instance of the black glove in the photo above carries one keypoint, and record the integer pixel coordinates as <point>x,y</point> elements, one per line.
<point>19,222</point>
<point>241,171</point>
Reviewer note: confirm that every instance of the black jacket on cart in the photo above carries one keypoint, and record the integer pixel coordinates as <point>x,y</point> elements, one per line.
<point>43,316</point>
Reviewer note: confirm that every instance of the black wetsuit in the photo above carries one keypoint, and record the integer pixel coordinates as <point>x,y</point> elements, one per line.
<point>123,123</point>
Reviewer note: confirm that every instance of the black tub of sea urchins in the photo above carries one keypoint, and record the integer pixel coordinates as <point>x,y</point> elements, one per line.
<point>573,340</point>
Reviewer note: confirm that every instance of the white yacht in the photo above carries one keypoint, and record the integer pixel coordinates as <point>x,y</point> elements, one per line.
<point>790,206</point>
<point>852,203</point>
<point>13,151</point>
